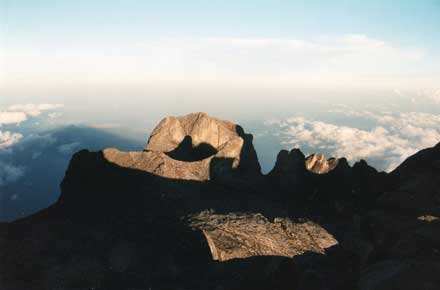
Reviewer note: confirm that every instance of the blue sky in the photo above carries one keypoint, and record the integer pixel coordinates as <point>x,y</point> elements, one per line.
<point>49,45</point>
<point>404,22</point>
<point>324,73</point>
<point>264,52</point>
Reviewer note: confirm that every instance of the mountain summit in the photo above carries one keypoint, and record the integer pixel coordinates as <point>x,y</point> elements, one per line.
<point>193,147</point>
<point>193,211</point>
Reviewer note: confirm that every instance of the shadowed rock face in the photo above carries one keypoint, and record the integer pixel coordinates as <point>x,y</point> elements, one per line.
<point>160,219</point>
<point>186,151</point>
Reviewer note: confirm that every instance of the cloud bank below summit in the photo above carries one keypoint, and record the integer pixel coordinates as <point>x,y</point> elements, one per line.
<point>13,116</point>
<point>16,114</point>
<point>392,137</point>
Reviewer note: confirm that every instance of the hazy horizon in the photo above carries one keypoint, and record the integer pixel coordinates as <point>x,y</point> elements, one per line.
<point>63,51</point>
<point>315,75</point>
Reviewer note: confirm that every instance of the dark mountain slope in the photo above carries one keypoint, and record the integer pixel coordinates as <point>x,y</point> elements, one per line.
<point>145,220</point>
<point>44,158</point>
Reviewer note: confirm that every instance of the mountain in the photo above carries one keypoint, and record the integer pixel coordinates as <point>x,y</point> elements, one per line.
<point>43,158</point>
<point>193,211</point>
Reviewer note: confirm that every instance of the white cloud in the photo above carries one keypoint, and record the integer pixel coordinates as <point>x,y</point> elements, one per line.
<point>38,141</point>
<point>18,113</point>
<point>105,126</point>
<point>393,138</point>
<point>349,55</point>
<point>10,173</point>
<point>349,60</point>
<point>68,148</point>
<point>54,115</point>
<point>432,95</point>
<point>12,117</point>
<point>426,96</point>
<point>7,139</point>
<point>33,109</point>
<point>394,120</point>
<point>36,155</point>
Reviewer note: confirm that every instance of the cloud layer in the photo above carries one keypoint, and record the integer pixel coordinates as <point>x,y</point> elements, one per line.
<point>9,173</point>
<point>393,138</point>
<point>7,139</point>
<point>7,117</point>
<point>351,59</point>
<point>14,115</point>
<point>18,113</point>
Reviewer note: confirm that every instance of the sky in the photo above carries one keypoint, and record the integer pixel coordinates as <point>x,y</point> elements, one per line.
<point>151,49</point>
<point>319,75</point>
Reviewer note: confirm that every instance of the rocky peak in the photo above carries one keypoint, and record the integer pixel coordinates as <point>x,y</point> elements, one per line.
<point>199,127</point>
<point>293,161</point>
<point>212,147</point>
<point>363,168</point>
<point>192,147</point>
<point>426,160</point>
<point>317,163</point>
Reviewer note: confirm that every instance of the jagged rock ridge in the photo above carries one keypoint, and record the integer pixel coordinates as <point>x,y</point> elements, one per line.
<point>318,164</point>
<point>193,211</point>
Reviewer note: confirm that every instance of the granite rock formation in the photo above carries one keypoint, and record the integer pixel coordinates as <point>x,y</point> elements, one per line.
<point>193,211</point>
<point>318,164</point>
<point>234,236</point>
<point>215,148</point>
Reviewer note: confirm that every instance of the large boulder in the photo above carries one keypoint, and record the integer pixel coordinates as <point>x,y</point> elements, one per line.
<point>238,236</point>
<point>193,147</point>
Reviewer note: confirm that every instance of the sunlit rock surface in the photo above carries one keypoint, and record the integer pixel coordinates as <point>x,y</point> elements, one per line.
<point>318,164</point>
<point>236,236</point>
<point>193,147</point>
